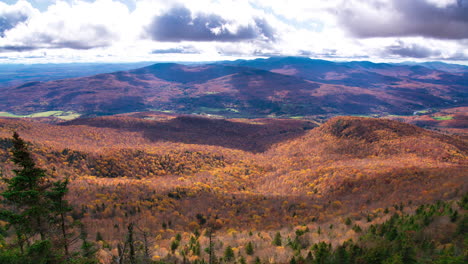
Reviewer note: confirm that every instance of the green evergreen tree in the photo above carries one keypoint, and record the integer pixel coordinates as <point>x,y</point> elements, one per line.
<point>88,249</point>
<point>395,259</point>
<point>348,221</point>
<point>249,249</point>
<point>99,237</point>
<point>174,245</point>
<point>341,255</point>
<point>36,210</point>
<point>293,260</point>
<point>258,261</point>
<point>242,260</point>
<point>228,254</point>
<point>277,239</point>
<point>309,258</point>
<point>322,252</point>
<point>58,213</point>
<point>29,209</point>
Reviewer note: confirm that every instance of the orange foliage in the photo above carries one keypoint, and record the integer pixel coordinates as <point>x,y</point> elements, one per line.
<point>121,175</point>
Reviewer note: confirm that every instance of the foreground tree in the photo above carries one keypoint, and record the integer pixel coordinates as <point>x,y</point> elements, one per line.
<point>59,210</point>
<point>36,210</point>
<point>26,196</point>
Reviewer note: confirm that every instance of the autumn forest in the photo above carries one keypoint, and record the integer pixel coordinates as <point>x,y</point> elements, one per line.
<point>161,188</point>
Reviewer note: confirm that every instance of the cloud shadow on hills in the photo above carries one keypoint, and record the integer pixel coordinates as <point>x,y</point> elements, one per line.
<point>252,137</point>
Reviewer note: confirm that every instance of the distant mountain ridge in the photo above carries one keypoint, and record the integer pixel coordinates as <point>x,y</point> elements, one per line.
<point>18,74</point>
<point>437,65</point>
<point>278,86</point>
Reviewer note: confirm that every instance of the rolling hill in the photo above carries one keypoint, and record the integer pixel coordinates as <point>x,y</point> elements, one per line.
<point>285,86</point>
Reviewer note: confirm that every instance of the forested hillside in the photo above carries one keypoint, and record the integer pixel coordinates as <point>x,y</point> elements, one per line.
<point>265,190</point>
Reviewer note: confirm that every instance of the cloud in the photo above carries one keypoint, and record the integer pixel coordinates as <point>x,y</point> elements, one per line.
<point>446,19</point>
<point>413,50</point>
<point>325,53</point>
<point>9,21</point>
<point>78,25</point>
<point>11,16</point>
<point>182,50</point>
<point>180,24</point>
<point>459,56</point>
<point>16,48</point>
<point>185,30</point>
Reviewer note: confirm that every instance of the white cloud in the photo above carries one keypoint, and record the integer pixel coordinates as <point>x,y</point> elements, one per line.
<point>442,3</point>
<point>13,15</point>
<point>402,18</point>
<point>76,25</point>
<point>106,30</point>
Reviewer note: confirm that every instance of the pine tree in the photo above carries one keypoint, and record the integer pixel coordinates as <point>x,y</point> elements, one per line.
<point>59,210</point>
<point>131,245</point>
<point>309,258</point>
<point>36,208</point>
<point>277,239</point>
<point>88,249</point>
<point>26,194</point>
<point>228,254</point>
<point>249,249</point>
<point>293,260</point>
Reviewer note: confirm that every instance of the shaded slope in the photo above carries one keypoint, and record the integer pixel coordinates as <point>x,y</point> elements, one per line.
<point>253,91</point>
<point>186,74</point>
<point>254,135</point>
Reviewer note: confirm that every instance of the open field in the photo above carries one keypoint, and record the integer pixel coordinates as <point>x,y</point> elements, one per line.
<point>64,115</point>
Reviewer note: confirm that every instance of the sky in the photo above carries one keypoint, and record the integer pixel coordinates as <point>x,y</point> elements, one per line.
<point>56,31</point>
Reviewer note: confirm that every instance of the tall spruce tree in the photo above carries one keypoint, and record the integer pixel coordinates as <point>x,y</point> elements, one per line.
<point>25,193</point>
<point>58,215</point>
<point>36,206</point>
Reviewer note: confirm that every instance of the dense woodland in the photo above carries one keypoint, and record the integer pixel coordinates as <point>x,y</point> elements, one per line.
<point>121,190</point>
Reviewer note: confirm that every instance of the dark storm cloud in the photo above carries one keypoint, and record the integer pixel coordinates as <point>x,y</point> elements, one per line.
<point>411,51</point>
<point>178,24</point>
<point>16,48</point>
<point>10,20</point>
<point>409,18</point>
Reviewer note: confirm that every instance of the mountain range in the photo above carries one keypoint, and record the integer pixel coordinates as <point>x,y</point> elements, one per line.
<point>279,86</point>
